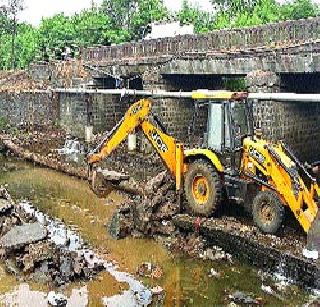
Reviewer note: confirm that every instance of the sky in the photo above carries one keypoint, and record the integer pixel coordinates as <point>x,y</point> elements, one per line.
<point>35,9</point>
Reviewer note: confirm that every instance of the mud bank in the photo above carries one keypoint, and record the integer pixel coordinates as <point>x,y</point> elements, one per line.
<point>45,157</point>
<point>269,253</point>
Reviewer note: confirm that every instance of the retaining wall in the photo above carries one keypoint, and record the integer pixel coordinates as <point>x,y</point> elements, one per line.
<point>29,109</point>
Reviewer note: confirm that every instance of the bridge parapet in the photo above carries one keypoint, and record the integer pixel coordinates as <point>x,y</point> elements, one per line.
<point>271,35</point>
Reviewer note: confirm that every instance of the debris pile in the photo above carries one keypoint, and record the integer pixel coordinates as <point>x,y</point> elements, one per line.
<point>289,241</point>
<point>50,160</point>
<point>150,214</point>
<point>148,269</point>
<point>239,297</point>
<point>19,81</point>
<point>33,250</point>
<point>192,245</point>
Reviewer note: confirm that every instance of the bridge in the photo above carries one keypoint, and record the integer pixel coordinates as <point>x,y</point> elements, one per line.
<point>286,47</point>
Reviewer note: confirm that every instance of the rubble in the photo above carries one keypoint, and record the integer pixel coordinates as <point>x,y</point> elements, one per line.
<point>19,236</point>
<point>19,81</point>
<point>314,254</point>
<point>158,296</point>
<point>214,273</point>
<point>239,297</point>
<point>36,248</point>
<point>56,299</point>
<point>148,269</point>
<point>150,214</point>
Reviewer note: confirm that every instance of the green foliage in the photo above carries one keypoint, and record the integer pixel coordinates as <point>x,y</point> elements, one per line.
<point>25,47</point>
<point>202,21</point>
<point>26,44</point>
<point>3,123</point>
<point>133,16</point>
<point>243,13</point>
<point>234,84</point>
<point>145,13</point>
<point>299,9</point>
<point>88,28</point>
<point>117,21</point>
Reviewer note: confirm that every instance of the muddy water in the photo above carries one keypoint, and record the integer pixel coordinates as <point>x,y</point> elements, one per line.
<point>186,281</point>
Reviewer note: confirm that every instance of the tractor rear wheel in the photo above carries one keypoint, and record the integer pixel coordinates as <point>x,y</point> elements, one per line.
<point>267,211</point>
<point>202,187</point>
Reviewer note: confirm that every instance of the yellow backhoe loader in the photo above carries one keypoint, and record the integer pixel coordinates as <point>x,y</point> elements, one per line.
<point>233,163</point>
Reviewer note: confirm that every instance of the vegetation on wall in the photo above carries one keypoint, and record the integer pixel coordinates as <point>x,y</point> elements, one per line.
<point>117,21</point>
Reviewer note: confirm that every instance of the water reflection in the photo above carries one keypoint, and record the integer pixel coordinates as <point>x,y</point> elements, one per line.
<point>24,296</point>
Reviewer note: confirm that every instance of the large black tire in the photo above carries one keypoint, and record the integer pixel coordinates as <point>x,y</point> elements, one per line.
<point>202,171</point>
<point>267,211</point>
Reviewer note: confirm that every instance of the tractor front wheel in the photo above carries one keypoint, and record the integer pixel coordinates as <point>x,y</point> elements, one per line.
<point>267,211</point>
<point>202,187</point>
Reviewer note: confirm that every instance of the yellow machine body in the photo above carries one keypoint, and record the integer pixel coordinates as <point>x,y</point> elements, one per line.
<point>279,172</point>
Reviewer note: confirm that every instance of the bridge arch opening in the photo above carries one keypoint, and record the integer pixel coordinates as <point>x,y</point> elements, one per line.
<point>301,83</point>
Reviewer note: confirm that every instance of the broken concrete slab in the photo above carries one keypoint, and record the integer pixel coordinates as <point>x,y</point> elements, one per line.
<point>114,176</point>
<point>20,236</point>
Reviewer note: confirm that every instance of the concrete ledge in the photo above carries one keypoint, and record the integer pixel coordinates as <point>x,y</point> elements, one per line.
<point>272,254</point>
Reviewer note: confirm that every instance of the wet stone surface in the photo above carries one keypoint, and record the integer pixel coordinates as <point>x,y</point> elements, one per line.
<point>20,236</point>
<point>36,248</point>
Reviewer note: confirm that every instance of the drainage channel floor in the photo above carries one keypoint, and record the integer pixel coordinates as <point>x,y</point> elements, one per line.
<point>185,281</point>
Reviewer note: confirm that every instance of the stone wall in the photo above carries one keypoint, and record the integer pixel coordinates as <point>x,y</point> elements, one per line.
<point>103,112</point>
<point>38,109</point>
<point>295,123</point>
<point>60,74</point>
<point>177,114</point>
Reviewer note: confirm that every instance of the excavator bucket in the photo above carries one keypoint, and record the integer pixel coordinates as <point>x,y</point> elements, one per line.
<point>103,181</point>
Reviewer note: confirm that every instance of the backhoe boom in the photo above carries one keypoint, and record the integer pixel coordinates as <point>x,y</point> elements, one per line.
<point>169,150</point>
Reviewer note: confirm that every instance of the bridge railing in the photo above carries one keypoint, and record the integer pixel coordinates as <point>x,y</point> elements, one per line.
<point>227,39</point>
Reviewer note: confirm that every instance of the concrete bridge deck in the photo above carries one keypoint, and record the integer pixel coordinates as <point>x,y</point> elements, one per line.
<point>291,46</point>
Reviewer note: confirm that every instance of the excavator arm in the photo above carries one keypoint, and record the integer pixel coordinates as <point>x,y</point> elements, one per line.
<point>170,151</point>
<point>133,118</point>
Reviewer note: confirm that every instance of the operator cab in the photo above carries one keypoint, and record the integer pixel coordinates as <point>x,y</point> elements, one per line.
<point>229,122</point>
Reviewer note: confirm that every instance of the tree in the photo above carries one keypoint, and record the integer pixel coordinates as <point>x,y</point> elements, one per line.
<point>12,8</point>
<point>258,12</point>
<point>189,14</point>
<point>4,21</point>
<point>118,21</point>
<point>299,9</point>
<point>134,15</point>
<point>234,6</point>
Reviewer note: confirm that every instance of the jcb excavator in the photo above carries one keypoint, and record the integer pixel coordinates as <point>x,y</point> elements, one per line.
<point>233,164</point>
